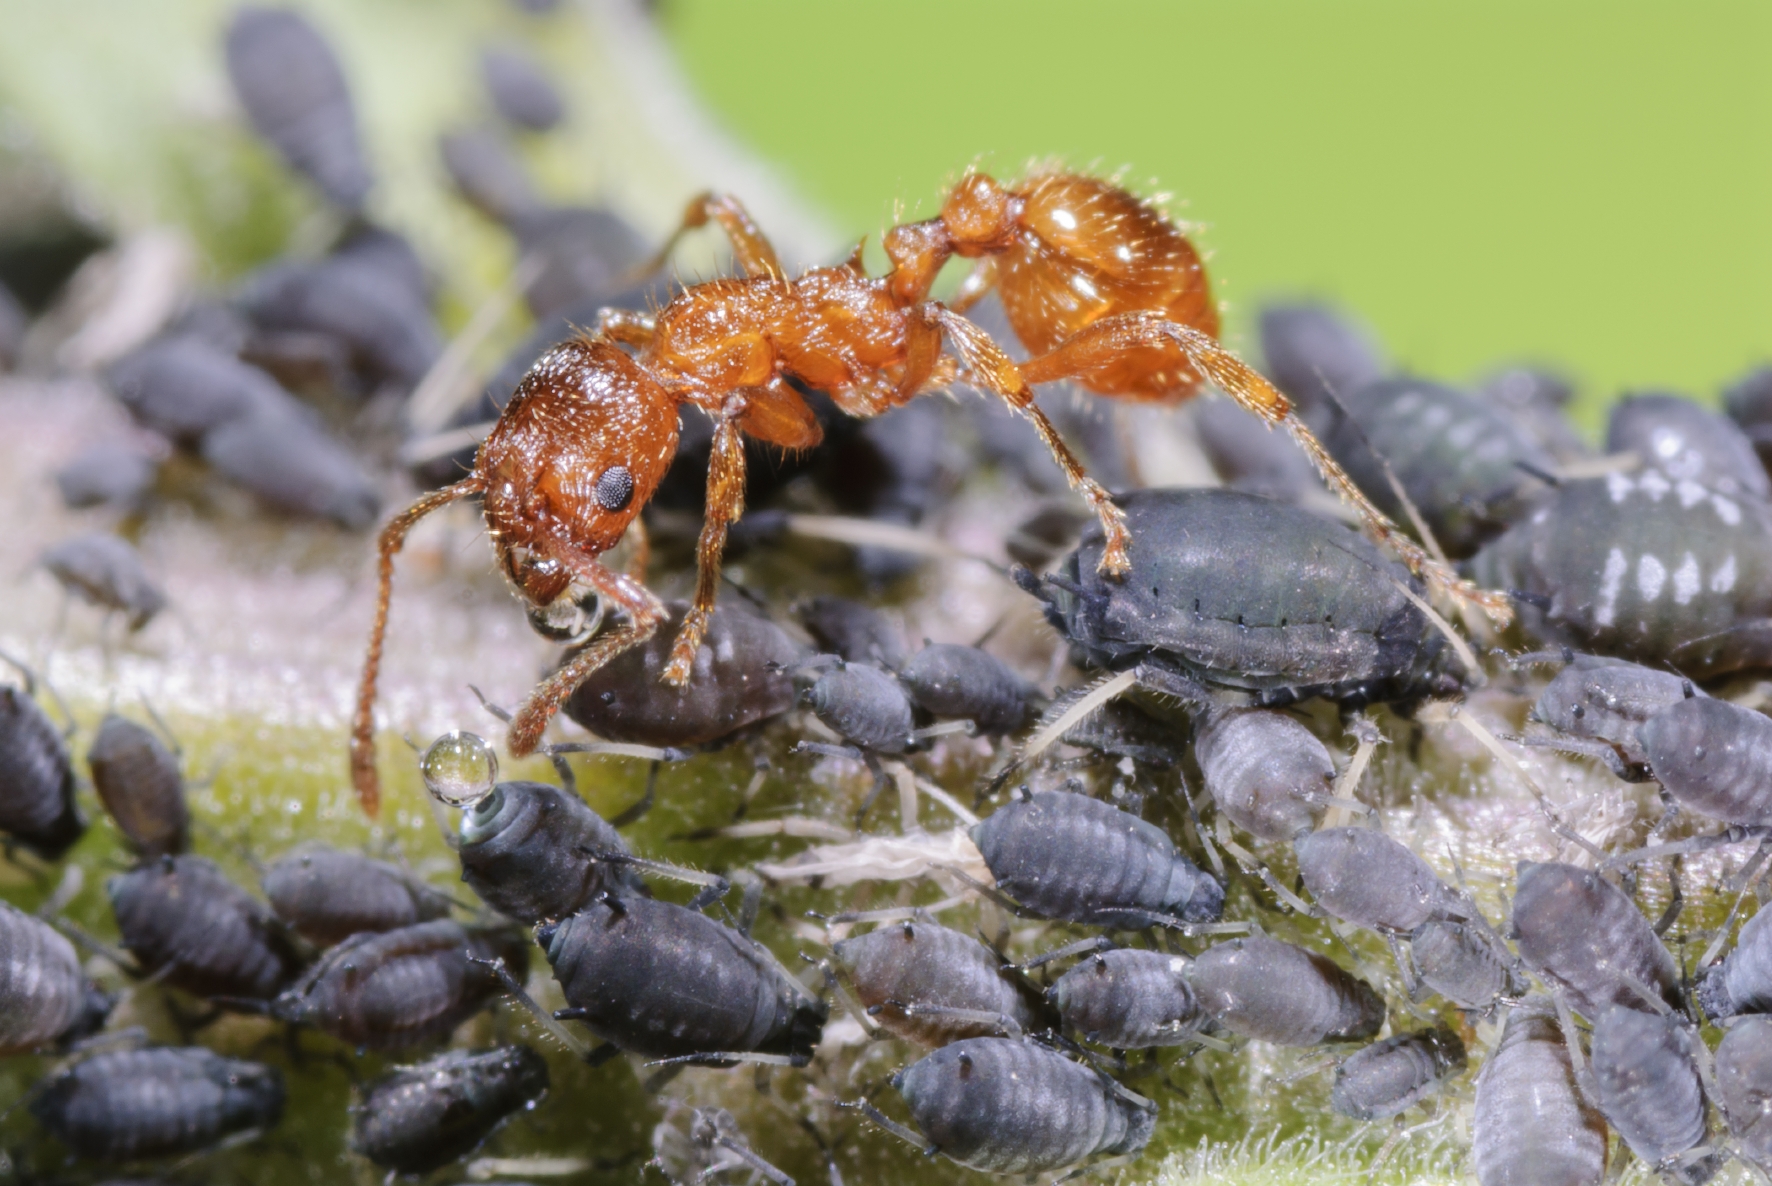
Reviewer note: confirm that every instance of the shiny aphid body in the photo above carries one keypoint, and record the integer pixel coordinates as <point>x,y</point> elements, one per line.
<point>1742,982</point>
<point>959,682</point>
<point>1067,856</point>
<point>1389,1076</point>
<point>1644,567</point>
<point>1649,1088</point>
<point>160,1102</point>
<point>1248,593</point>
<point>1362,876</point>
<point>1531,1123</point>
<point>864,706</point>
<point>1465,963</point>
<point>37,806</point>
<point>192,928</point>
<point>1608,701</point>
<point>106,571</point>
<point>1014,1107</point>
<point>1276,992</point>
<point>1267,773</point>
<point>530,850</point>
<point>1712,757</point>
<point>44,995</point>
<point>1462,461</point>
<point>326,896</point>
<point>1128,999</point>
<point>1584,935</point>
<point>660,980</point>
<point>1684,439</point>
<point>395,989</point>
<point>421,1117</point>
<point>922,964</point>
<point>1744,1083</point>
<point>140,783</point>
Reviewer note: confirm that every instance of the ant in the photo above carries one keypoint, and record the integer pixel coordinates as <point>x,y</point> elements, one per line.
<point>1102,287</point>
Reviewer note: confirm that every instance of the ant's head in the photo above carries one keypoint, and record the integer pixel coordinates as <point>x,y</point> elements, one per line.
<point>979,216</point>
<point>577,453</point>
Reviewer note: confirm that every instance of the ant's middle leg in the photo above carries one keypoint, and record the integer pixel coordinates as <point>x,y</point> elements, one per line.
<point>725,503</point>
<point>752,251</point>
<point>630,327</point>
<point>1105,341</point>
<point>994,370</point>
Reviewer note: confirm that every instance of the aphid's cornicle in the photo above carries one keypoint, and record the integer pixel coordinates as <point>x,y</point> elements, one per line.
<point>1102,286</point>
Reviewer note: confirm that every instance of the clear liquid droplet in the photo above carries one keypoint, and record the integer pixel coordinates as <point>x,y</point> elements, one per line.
<point>459,769</point>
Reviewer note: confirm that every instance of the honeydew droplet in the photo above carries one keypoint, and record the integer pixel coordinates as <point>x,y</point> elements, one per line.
<point>459,769</point>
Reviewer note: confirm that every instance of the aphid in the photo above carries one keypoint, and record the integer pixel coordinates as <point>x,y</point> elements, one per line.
<point>1268,774</point>
<point>532,851</point>
<point>112,473</point>
<point>1362,876</point>
<point>582,446</point>
<point>1535,400</point>
<point>37,806</point>
<point>1275,992</point>
<point>1582,934</point>
<point>1531,1123</point>
<point>141,785</point>
<point>393,989</point>
<point>863,705</point>
<point>1248,593</point>
<point>13,323</point>
<point>1686,441</point>
<point>932,985</point>
<point>1120,728</point>
<point>1312,351</point>
<point>1013,1107</point>
<point>1744,1083</point>
<point>1742,982</point>
<point>160,1102</point>
<point>356,299</point>
<point>894,468</point>
<point>856,632</point>
<point>1247,456</point>
<point>520,89</point>
<point>192,928</point>
<point>1389,1076</point>
<point>286,460</point>
<point>1712,757</point>
<point>1605,702</point>
<point>486,172</point>
<point>1464,963</point>
<point>294,91</point>
<point>1644,567</point>
<point>1464,464</point>
<point>326,896</point>
<point>422,1117</point>
<point>1067,856</point>
<point>106,571</point>
<point>44,997</point>
<point>742,674</point>
<point>664,981</point>
<point>967,683</point>
<point>184,385</point>
<point>1748,401</point>
<point>1648,1088</point>
<point>1128,999</point>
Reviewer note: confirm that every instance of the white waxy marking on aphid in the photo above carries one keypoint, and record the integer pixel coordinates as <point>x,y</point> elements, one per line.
<point>1665,442</point>
<point>1727,511</point>
<point>1619,486</point>
<point>1686,580</point>
<point>1610,580</point>
<point>1691,493</point>
<point>1654,485</point>
<point>1723,579</point>
<point>1651,576</point>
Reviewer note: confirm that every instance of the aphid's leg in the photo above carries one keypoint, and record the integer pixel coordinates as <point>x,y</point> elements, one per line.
<point>1582,747</point>
<point>1675,900</point>
<point>1111,337</point>
<point>393,537</point>
<point>645,612</point>
<point>714,887</point>
<point>1080,947</point>
<point>750,249</point>
<point>1411,985</point>
<point>1584,1078</point>
<point>541,1016</point>
<point>997,373</point>
<point>632,815</point>
<point>725,503</point>
<point>743,1152</point>
<point>914,1140</point>
<point>977,285</point>
<point>1253,864</point>
<point>719,1057</point>
<point>1003,1022</point>
<point>749,903</point>
<point>1745,879</point>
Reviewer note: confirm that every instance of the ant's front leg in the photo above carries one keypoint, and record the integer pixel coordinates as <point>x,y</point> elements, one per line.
<point>750,248</point>
<point>725,503</point>
<point>995,371</point>
<point>977,285</point>
<point>626,326</point>
<point>644,613</point>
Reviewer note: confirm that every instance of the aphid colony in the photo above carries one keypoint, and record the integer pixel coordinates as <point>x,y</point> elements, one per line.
<point>1196,875</point>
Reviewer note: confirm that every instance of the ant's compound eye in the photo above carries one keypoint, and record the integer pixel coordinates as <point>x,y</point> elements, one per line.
<point>614,488</point>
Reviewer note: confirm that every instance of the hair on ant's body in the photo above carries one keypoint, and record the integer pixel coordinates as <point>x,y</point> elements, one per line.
<point>1101,286</point>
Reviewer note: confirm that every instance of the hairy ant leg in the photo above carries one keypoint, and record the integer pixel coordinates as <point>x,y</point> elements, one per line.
<point>997,372</point>
<point>975,287</point>
<point>630,327</point>
<point>725,503</point>
<point>393,538</point>
<point>751,249</point>
<point>1105,343</point>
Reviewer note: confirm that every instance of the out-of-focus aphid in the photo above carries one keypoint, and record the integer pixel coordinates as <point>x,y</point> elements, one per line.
<point>141,785</point>
<point>106,571</point>
<point>422,1117</point>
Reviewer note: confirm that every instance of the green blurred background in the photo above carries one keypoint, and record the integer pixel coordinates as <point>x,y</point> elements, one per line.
<point>1587,183</point>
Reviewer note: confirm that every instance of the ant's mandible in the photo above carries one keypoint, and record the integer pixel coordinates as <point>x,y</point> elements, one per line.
<point>1101,287</point>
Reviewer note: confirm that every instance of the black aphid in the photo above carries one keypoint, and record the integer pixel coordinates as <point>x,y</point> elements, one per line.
<point>1267,773</point>
<point>1067,856</point>
<point>44,996</point>
<point>1128,999</point>
<point>933,985</point>
<point>1649,1089</point>
<point>37,806</point>
<point>946,680</point>
<point>1389,1076</point>
<point>1598,705</point>
<point>1531,1123</point>
<point>863,705</point>
<point>421,1117</point>
<point>1275,992</point>
<point>1581,933</point>
<point>192,928</point>
<point>532,852</point>
<point>1744,1083</point>
<point>141,785</point>
<point>1686,440</point>
<point>1362,876</point>
<point>858,633</point>
<point>520,89</point>
<point>106,571</point>
<point>326,896</point>
<point>1742,983</point>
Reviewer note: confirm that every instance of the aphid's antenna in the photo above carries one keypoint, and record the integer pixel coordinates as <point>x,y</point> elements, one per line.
<point>364,775</point>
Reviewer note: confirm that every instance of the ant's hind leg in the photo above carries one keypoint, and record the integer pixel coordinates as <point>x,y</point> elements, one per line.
<point>1107,340</point>
<point>977,285</point>
<point>725,503</point>
<point>994,370</point>
<point>644,613</point>
<point>750,249</point>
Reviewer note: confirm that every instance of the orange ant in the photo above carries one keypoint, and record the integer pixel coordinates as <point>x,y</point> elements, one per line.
<point>1100,286</point>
